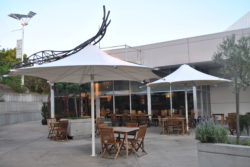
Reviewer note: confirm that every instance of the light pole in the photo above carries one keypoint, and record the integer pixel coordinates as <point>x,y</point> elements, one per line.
<point>23,19</point>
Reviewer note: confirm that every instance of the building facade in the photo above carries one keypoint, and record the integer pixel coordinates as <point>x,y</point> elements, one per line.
<point>198,52</point>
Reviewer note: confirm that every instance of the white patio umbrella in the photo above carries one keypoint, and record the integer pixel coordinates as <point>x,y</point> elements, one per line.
<point>187,76</point>
<point>88,65</point>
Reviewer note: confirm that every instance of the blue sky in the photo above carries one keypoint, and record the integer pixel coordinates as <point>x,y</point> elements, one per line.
<point>62,25</point>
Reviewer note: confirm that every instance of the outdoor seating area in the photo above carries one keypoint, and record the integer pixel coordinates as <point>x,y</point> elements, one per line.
<point>115,140</point>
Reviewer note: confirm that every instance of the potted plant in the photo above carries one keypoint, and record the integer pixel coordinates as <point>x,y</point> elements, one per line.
<point>214,150</point>
<point>45,113</point>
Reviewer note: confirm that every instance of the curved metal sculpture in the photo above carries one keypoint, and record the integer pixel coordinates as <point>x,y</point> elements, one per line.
<point>46,56</point>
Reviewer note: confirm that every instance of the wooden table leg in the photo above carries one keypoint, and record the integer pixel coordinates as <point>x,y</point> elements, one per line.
<point>163,127</point>
<point>126,140</point>
<point>183,130</point>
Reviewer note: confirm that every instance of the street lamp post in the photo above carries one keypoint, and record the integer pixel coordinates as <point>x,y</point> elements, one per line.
<point>24,19</point>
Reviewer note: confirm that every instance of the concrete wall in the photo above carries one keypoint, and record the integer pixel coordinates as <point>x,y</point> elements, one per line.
<point>18,108</point>
<point>223,155</point>
<point>223,100</point>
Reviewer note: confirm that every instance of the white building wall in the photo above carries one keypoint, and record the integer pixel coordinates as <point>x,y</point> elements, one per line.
<point>223,100</point>
<point>191,50</point>
<point>188,50</point>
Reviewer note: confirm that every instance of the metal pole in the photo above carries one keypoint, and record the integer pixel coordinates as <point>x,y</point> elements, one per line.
<point>113,97</point>
<point>93,114</point>
<point>22,51</point>
<point>52,100</point>
<point>186,106</point>
<point>149,102</point>
<point>130,98</point>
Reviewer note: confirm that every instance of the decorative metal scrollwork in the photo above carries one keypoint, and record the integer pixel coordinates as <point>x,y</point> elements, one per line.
<point>46,56</point>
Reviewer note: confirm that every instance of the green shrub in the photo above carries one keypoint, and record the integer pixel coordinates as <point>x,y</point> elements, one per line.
<point>208,132</point>
<point>45,111</point>
<point>247,143</point>
<point>244,123</point>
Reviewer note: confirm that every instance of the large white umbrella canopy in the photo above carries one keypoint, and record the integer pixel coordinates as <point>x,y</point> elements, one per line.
<point>78,67</point>
<point>88,65</point>
<point>187,76</point>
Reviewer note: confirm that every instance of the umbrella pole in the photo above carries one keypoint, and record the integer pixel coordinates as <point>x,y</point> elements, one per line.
<point>186,106</point>
<point>52,100</point>
<point>149,103</point>
<point>130,98</point>
<point>93,115</point>
<point>171,101</point>
<point>113,97</point>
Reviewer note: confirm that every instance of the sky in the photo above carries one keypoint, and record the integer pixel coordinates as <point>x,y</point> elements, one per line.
<point>64,24</point>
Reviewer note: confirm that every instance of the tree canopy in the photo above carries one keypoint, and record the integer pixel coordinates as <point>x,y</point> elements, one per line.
<point>7,61</point>
<point>234,58</point>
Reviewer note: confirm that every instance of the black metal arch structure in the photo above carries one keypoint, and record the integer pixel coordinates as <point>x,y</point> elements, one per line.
<point>46,56</point>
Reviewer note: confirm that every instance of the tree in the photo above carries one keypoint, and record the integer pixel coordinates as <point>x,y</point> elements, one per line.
<point>234,57</point>
<point>7,61</point>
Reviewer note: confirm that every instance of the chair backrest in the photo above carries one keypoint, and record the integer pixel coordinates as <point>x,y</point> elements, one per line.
<point>63,125</point>
<point>159,120</point>
<point>107,135</point>
<point>133,117</point>
<point>50,122</point>
<point>100,120</point>
<point>102,125</point>
<point>131,124</point>
<point>142,132</point>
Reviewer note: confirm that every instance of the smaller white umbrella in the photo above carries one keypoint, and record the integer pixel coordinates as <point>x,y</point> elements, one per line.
<point>187,76</point>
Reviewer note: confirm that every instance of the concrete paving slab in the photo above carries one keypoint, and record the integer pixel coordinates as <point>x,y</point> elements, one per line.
<point>27,145</point>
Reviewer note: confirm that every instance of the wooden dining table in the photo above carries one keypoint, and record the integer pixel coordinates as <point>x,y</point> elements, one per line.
<point>125,131</point>
<point>179,119</point>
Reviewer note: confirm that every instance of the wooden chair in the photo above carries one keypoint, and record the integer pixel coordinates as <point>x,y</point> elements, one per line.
<point>50,123</point>
<point>62,130</point>
<point>174,126</point>
<point>191,120</point>
<point>133,118</point>
<point>114,120</point>
<point>160,124</point>
<point>109,143</point>
<point>231,120</point>
<point>142,119</point>
<point>125,119</point>
<point>99,120</point>
<point>131,124</point>
<point>138,142</point>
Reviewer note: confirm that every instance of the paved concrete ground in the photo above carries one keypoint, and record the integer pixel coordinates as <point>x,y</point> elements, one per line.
<point>26,145</point>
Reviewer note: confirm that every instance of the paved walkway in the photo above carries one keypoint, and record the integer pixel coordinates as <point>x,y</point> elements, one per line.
<point>26,145</point>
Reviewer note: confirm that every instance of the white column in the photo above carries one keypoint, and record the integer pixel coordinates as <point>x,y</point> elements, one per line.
<point>93,115</point>
<point>52,100</point>
<point>195,98</point>
<point>130,98</point>
<point>97,105</point>
<point>186,106</point>
<point>149,102</point>
<point>201,101</point>
<point>113,97</point>
<point>195,102</point>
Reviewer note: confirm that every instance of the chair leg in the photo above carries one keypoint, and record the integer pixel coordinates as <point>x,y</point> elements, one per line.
<point>118,150</point>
